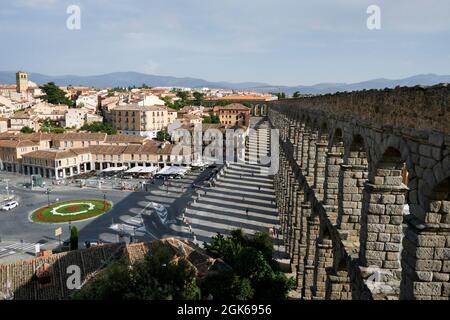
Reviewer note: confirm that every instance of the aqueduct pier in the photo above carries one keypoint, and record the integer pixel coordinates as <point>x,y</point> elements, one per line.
<point>363,192</point>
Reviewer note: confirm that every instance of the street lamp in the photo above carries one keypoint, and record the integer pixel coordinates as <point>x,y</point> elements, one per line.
<point>104,200</point>
<point>48,197</point>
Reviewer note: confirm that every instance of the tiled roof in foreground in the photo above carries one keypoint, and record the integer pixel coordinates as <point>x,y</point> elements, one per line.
<point>45,278</point>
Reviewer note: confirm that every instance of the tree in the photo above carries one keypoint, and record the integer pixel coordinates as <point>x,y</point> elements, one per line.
<point>183,95</point>
<point>211,119</point>
<point>54,95</point>
<point>27,130</point>
<point>157,277</point>
<point>99,127</point>
<point>199,98</point>
<point>251,258</point>
<point>162,135</point>
<point>206,119</point>
<point>296,94</point>
<point>73,238</point>
<point>215,119</point>
<point>227,285</point>
<point>51,126</point>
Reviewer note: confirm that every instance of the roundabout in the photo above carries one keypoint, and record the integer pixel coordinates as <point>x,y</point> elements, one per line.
<point>69,211</point>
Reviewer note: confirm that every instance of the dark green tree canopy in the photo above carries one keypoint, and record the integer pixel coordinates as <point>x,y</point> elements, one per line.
<point>162,135</point>
<point>253,274</point>
<point>199,98</point>
<point>27,130</point>
<point>251,258</point>
<point>211,119</point>
<point>54,95</point>
<point>99,127</point>
<point>157,277</point>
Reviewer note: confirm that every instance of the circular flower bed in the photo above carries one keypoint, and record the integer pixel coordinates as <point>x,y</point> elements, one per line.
<point>73,210</point>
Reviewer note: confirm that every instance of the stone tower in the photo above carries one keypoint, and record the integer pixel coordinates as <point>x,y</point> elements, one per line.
<point>21,81</point>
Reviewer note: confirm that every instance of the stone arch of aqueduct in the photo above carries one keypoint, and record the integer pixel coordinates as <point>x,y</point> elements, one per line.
<point>349,163</point>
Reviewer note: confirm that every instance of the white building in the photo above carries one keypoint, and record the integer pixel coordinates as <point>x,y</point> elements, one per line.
<point>151,100</point>
<point>77,117</point>
<point>89,102</point>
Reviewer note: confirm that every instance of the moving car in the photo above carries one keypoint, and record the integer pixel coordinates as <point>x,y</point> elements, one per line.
<point>10,205</point>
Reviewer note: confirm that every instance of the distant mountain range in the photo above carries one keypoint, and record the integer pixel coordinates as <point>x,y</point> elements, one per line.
<point>125,79</point>
<point>381,83</point>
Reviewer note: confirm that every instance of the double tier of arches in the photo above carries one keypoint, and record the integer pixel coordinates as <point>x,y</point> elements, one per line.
<point>358,202</point>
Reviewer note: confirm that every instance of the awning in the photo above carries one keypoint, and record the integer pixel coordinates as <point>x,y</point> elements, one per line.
<point>134,170</point>
<point>138,169</point>
<point>174,170</point>
<point>113,169</point>
<point>149,169</point>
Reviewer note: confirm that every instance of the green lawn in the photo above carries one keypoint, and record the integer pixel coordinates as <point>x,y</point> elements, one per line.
<point>73,210</point>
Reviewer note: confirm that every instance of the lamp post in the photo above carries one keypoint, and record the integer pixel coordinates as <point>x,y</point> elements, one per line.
<point>48,197</point>
<point>104,200</point>
<point>7,187</point>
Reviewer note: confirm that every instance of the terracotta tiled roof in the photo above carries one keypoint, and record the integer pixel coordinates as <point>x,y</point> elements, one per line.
<point>105,149</point>
<point>16,143</point>
<point>22,278</point>
<point>8,87</point>
<point>133,107</point>
<point>37,136</point>
<point>56,154</point>
<point>81,136</point>
<point>233,106</point>
<point>123,138</point>
<point>242,97</point>
<point>23,115</point>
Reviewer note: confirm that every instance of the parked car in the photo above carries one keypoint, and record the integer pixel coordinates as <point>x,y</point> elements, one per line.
<point>91,243</point>
<point>10,205</point>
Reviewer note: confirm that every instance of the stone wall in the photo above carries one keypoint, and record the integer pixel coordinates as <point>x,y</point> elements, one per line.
<point>410,107</point>
<point>364,192</point>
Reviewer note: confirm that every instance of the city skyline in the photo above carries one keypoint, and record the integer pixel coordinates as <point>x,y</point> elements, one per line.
<point>315,43</point>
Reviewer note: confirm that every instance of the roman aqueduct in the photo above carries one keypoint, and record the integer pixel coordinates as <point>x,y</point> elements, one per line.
<point>363,192</point>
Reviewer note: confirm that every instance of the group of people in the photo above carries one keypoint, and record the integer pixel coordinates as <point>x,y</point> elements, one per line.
<point>275,232</point>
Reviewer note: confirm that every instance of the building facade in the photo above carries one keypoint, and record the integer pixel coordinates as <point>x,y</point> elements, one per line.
<point>142,120</point>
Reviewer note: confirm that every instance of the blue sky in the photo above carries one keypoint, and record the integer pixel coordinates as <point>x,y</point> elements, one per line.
<point>282,42</point>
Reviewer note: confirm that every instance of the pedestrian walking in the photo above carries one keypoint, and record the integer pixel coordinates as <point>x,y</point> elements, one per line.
<point>259,188</point>
<point>246,212</point>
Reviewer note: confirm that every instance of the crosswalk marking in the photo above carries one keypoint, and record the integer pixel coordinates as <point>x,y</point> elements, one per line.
<point>16,247</point>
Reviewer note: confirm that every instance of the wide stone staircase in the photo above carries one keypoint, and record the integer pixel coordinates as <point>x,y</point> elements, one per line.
<point>242,197</point>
